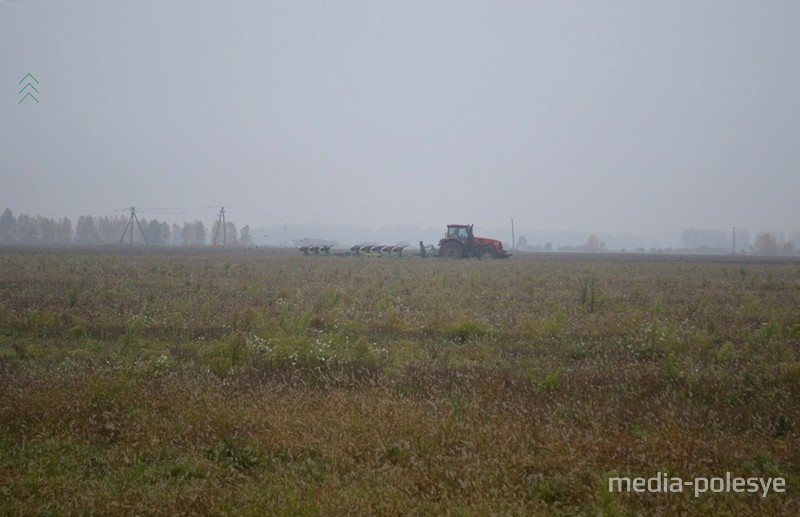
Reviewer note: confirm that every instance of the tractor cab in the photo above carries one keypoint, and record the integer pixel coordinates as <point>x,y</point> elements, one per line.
<point>462,232</point>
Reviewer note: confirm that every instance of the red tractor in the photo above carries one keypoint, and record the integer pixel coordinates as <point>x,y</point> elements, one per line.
<point>459,242</point>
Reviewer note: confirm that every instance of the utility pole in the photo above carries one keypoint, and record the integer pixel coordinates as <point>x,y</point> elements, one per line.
<point>513,240</point>
<point>734,240</point>
<point>131,220</point>
<point>221,221</point>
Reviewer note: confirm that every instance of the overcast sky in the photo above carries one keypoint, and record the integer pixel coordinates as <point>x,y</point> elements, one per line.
<point>636,116</point>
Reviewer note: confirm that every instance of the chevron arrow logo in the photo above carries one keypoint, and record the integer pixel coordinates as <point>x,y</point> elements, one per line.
<point>29,87</point>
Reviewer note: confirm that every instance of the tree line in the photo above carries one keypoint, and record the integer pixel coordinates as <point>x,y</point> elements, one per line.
<point>89,230</point>
<point>717,241</point>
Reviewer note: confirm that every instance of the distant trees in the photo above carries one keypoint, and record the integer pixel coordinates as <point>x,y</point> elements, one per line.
<point>193,234</point>
<point>186,234</point>
<point>110,229</point>
<point>718,241</point>
<point>230,231</point>
<point>86,231</point>
<point>48,231</point>
<point>8,227</point>
<point>176,234</point>
<point>25,229</point>
<point>157,233</point>
<point>594,244</point>
<point>244,235</point>
<point>767,244</point>
<point>64,232</point>
<point>695,241</point>
<point>89,230</point>
<point>226,235</point>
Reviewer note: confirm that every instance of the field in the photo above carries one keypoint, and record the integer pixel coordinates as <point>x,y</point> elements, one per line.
<point>250,382</point>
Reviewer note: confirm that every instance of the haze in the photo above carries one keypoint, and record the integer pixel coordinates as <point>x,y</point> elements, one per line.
<point>643,117</point>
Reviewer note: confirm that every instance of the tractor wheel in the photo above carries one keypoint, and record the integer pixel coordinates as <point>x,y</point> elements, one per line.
<point>487,252</point>
<point>451,250</point>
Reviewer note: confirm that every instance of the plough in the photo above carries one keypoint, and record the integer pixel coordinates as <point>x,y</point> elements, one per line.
<point>315,250</point>
<point>370,250</point>
<point>375,250</point>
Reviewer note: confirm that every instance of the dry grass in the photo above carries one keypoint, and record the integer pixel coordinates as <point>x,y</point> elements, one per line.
<point>245,383</point>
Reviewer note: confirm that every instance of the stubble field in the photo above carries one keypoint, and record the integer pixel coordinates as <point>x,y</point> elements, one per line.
<point>248,382</point>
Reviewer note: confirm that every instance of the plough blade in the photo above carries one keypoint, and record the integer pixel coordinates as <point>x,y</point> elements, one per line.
<point>371,250</point>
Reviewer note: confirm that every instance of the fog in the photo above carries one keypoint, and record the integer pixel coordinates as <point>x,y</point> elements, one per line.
<point>640,118</point>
